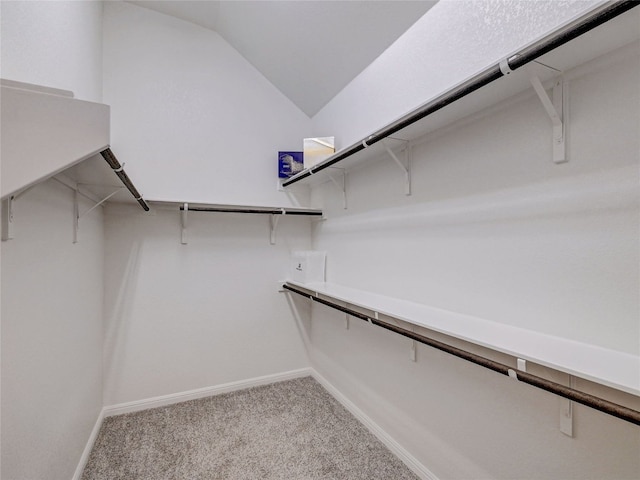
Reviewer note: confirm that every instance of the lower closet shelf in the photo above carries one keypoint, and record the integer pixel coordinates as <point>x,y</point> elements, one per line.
<point>615,369</point>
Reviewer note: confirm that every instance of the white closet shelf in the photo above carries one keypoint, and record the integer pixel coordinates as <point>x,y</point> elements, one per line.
<point>611,368</point>
<point>274,213</point>
<point>47,133</point>
<point>608,27</point>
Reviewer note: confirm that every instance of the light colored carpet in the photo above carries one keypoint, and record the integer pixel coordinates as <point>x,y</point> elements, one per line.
<point>288,430</point>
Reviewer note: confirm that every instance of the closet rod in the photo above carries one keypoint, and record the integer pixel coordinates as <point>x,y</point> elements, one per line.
<point>113,162</point>
<point>279,211</point>
<point>556,39</point>
<point>597,403</point>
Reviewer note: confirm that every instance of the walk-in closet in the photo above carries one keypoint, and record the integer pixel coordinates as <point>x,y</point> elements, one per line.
<point>320,239</point>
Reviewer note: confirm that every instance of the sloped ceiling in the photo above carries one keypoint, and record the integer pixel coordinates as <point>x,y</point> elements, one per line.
<point>309,49</point>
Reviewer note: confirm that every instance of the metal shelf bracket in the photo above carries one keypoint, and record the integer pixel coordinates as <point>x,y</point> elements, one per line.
<point>100,202</point>
<point>406,169</point>
<point>566,412</point>
<point>556,108</point>
<point>273,226</point>
<point>7,218</point>
<point>183,215</point>
<point>342,186</point>
<point>412,351</point>
<point>566,405</point>
<point>77,216</point>
<point>7,213</point>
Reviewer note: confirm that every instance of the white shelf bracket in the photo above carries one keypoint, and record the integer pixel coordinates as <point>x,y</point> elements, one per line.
<point>412,351</point>
<point>7,213</point>
<point>99,203</point>
<point>7,219</point>
<point>184,214</point>
<point>522,365</point>
<point>342,186</point>
<point>273,226</point>
<point>406,169</point>
<point>566,412</point>
<point>76,215</point>
<point>556,108</point>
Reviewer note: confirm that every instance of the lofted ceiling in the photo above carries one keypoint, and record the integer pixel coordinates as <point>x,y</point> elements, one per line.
<point>308,49</point>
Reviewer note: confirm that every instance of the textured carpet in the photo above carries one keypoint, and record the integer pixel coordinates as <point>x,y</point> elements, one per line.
<point>288,430</point>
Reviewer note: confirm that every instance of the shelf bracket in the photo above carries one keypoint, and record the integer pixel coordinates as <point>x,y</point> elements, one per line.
<point>77,216</point>
<point>522,365</point>
<point>341,186</point>
<point>556,108</point>
<point>273,226</point>
<point>7,213</point>
<point>7,218</point>
<point>406,169</point>
<point>566,412</point>
<point>566,405</point>
<point>412,351</point>
<point>100,202</point>
<point>183,233</point>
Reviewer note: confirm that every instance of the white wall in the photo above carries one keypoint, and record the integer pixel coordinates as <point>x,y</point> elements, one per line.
<point>453,41</point>
<point>52,294</point>
<point>55,44</point>
<point>191,117</point>
<point>195,122</point>
<point>492,216</point>
<point>52,290</point>
<point>181,317</point>
<point>496,230</point>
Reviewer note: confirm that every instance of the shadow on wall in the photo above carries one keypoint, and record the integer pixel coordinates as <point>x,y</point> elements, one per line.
<point>301,311</point>
<point>115,318</point>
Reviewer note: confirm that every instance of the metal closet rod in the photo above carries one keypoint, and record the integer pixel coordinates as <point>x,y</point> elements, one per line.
<point>597,403</point>
<point>279,211</point>
<point>113,162</point>
<point>526,55</point>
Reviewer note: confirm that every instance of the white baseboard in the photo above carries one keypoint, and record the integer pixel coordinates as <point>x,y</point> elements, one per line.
<point>409,460</point>
<point>170,399</point>
<point>87,449</point>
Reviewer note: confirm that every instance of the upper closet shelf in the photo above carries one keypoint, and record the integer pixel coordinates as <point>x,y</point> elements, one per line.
<point>275,213</point>
<point>47,133</point>
<point>607,367</point>
<point>600,31</point>
<point>227,208</point>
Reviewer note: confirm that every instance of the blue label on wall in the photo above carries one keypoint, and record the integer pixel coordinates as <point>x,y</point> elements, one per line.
<point>289,163</point>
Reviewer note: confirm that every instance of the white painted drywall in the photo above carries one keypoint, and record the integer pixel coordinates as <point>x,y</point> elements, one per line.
<point>493,229</point>
<point>462,421</point>
<point>52,291</point>
<point>180,317</point>
<point>493,217</point>
<point>453,41</point>
<point>52,294</point>
<point>55,44</point>
<point>199,123</point>
<point>191,117</point>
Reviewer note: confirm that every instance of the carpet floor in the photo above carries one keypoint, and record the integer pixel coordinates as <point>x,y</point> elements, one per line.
<point>287,430</point>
